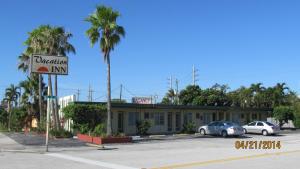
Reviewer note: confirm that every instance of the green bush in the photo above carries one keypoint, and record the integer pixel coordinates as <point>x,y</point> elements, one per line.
<point>3,119</point>
<point>189,128</point>
<point>18,118</point>
<point>297,114</point>
<point>61,133</point>
<point>3,127</point>
<point>283,114</point>
<point>84,128</point>
<point>142,127</point>
<point>99,130</point>
<point>85,116</point>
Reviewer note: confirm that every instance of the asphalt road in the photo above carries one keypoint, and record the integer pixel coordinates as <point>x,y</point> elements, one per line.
<point>194,152</point>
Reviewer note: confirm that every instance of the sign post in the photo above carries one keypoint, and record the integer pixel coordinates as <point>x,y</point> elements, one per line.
<point>45,64</point>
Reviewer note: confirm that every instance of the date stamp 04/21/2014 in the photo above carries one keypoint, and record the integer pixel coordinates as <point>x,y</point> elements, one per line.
<point>258,144</point>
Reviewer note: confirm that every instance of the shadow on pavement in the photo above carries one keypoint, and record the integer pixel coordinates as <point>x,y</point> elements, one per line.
<point>39,140</point>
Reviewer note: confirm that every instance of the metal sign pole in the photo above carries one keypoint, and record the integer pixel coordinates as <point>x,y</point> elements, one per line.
<point>48,119</point>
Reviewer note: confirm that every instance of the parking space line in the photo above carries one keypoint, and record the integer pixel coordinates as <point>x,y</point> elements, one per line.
<point>193,164</point>
<point>88,161</point>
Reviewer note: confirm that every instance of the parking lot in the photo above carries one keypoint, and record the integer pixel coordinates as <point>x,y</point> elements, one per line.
<point>180,152</point>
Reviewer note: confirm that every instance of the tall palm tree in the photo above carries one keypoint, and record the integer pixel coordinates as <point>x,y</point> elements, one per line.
<point>34,45</point>
<point>11,96</point>
<point>50,41</point>
<point>104,28</point>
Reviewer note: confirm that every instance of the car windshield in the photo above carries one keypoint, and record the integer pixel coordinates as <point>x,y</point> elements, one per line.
<point>269,124</point>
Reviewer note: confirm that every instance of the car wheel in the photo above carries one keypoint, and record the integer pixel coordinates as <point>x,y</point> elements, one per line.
<point>202,132</point>
<point>224,134</point>
<point>245,131</point>
<point>265,132</point>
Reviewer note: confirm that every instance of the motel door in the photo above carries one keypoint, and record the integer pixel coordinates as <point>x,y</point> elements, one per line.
<point>236,117</point>
<point>206,118</point>
<point>178,121</point>
<point>170,121</point>
<point>120,122</point>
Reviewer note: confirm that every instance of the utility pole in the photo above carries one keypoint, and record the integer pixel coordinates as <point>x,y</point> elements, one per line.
<point>170,82</point>
<point>176,94</point>
<point>194,75</point>
<point>78,93</point>
<point>121,86</point>
<point>89,93</point>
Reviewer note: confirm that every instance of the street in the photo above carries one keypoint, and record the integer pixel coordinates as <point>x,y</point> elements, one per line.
<point>196,152</point>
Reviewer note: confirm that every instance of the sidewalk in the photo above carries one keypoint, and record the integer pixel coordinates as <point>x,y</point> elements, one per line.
<point>36,143</point>
<point>7,143</point>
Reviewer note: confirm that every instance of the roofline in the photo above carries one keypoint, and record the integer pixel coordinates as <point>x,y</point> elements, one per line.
<point>164,106</point>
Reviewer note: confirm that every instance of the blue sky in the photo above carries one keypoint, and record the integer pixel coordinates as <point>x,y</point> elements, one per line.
<point>230,42</point>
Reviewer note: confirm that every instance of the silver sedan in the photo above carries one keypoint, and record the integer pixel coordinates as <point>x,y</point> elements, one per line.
<point>221,128</point>
<point>261,127</point>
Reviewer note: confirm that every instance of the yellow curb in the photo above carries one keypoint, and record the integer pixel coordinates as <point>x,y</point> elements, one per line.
<point>225,160</point>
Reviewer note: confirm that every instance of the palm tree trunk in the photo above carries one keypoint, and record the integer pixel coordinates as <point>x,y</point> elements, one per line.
<point>9,115</point>
<point>109,129</point>
<point>56,103</point>
<point>40,99</point>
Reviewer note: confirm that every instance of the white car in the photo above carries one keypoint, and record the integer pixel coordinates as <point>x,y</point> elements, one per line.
<point>222,128</point>
<point>261,127</point>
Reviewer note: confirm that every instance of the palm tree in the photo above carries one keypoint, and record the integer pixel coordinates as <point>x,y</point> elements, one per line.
<point>34,45</point>
<point>279,93</point>
<point>11,96</point>
<point>104,28</point>
<point>50,41</point>
<point>57,44</point>
<point>257,93</point>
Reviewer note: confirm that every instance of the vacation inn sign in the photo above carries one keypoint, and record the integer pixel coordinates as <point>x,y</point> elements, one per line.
<point>44,64</point>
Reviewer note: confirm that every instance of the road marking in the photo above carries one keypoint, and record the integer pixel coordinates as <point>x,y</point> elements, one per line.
<point>193,164</point>
<point>92,162</point>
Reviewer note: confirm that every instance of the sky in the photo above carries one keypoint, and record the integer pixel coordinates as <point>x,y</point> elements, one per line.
<point>229,42</point>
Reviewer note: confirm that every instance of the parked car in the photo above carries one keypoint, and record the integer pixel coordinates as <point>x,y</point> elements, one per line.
<point>261,127</point>
<point>222,128</point>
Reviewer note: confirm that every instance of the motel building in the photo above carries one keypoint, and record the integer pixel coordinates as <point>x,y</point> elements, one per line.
<point>168,119</point>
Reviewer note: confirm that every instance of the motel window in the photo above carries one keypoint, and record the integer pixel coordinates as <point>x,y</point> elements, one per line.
<point>132,118</point>
<point>242,116</point>
<point>151,115</point>
<point>188,118</point>
<point>198,116</point>
<point>159,119</point>
<point>146,116</point>
<point>254,116</point>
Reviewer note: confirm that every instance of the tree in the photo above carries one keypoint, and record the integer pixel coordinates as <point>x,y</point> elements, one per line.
<point>187,95</point>
<point>257,94</point>
<point>34,45</point>
<point>170,97</point>
<point>279,94</point>
<point>30,96</point>
<point>283,114</point>
<point>104,28</point>
<point>11,96</point>
<point>50,41</point>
